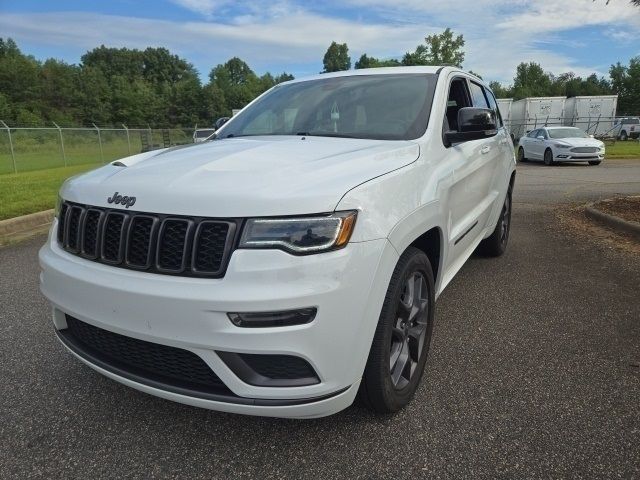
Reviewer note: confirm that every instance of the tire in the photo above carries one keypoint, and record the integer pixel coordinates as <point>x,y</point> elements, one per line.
<point>594,162</point>
<point>623,136</point>
<point>496,244</point>
<point>548,157</point>
<point>521,157</point>
<point>402,338</point>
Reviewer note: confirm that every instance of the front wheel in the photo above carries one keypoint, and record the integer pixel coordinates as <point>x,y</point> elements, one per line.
<point>496,244</point>
<point>594,162</point>
<point>548,157</point>
<point>521,157</point>
<point>399,349</point>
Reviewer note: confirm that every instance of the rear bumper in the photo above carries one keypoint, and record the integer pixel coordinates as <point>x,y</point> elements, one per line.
<point>346,286</point>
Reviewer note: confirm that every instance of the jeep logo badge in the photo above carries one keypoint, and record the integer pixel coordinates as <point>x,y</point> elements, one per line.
<point>124,200</point>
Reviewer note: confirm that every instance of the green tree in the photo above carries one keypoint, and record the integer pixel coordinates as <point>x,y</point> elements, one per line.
<point>336,58</point>
<point>438,49</point>
<point>233,85</point>
<point>531,81</point>
<point>95,97</point>
<point>19,82</point>
<point>121,85</point>
<point>371,62</point>
<point>625,82</point>
<point>60,97</point>
<point>500,91</point>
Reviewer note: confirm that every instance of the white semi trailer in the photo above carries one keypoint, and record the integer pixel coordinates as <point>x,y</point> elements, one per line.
<point>594,114</point>
<point>504,105</point>
<point>534,112</point>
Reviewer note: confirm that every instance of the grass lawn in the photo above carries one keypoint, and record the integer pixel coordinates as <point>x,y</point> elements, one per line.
<point>628,149</point>
<point>31,192</point>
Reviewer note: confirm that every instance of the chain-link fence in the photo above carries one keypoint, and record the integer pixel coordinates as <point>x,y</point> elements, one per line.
<point>26,149</point>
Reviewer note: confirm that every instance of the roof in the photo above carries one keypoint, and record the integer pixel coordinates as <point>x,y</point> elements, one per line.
<point>377,71</point>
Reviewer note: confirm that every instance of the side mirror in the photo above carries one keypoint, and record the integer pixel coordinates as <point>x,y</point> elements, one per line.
<point>473,124</point>
<point>591,136</point>
<point>540,137</point>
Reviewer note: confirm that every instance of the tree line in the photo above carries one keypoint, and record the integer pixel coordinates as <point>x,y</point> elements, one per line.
<point>530,80</point>
<point>113,86</point>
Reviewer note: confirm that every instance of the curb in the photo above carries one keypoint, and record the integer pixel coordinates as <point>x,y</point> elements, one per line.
<point>615,223</point>
<point>25,224</point>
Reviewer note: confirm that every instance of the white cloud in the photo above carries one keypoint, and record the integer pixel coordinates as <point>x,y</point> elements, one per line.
<point>499,34</point>
<point>297,38</point>
<point>205,8</point>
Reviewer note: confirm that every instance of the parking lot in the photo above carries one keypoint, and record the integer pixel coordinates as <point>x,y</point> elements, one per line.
<point>534,372</point>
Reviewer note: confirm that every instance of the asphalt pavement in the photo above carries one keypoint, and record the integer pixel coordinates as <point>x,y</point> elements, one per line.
<point>534,372</point>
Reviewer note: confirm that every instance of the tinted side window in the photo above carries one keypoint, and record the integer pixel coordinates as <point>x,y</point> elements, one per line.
<point>477,94</point>
<point>494,106</point>
<point>533,134</point>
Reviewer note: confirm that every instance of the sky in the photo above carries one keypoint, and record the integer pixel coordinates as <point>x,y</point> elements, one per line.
<point>582,36</point>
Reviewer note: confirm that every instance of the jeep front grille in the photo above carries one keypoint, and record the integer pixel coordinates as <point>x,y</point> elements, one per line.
<point>166,244</point>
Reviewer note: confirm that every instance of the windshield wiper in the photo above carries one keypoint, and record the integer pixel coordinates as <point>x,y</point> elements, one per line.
<point>327,134</point>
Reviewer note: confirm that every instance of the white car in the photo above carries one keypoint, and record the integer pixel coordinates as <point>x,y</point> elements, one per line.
<point>560,144</point>
<point>295,260</point>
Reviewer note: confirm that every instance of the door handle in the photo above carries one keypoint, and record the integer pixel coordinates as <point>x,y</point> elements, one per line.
<point>485,149</point>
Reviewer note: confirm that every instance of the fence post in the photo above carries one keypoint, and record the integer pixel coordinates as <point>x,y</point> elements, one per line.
<point>151,147</point>
<point>128,140</point>
<point>13,155</point>
<point>64,156</point>
<point>99,142</point>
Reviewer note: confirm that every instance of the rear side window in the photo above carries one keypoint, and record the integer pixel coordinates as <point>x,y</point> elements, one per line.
<point>533,133</point>
<point>479,100</point>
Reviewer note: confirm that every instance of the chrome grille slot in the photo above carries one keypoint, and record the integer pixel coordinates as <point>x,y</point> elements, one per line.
<point>90,233</point>
<point>73,228</point>
<point>173,244</point>
<point>113,237</point>
<point>140,241</point>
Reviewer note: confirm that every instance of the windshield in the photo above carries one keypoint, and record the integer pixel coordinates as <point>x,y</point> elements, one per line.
<point>567,133</point>
<point>385,107</point>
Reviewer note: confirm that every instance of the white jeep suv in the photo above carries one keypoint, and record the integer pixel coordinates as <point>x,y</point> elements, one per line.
<point>294,260</point>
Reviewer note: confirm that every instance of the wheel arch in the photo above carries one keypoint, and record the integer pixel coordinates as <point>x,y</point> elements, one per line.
<point>430,242</point>
<point>423,229</point>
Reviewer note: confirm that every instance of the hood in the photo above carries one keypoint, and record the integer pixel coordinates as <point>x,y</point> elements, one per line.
<point>579,142</point>
<point>243,177</point>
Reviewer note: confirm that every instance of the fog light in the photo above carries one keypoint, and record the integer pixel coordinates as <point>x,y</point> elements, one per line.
<point>283,318</point>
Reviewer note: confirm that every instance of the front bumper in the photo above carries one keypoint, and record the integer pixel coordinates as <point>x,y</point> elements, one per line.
<point>568,156</point>
<point>347,286</point>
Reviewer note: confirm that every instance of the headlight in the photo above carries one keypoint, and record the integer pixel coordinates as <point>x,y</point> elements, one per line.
<point>561,145</point>
<point>300,235</point>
